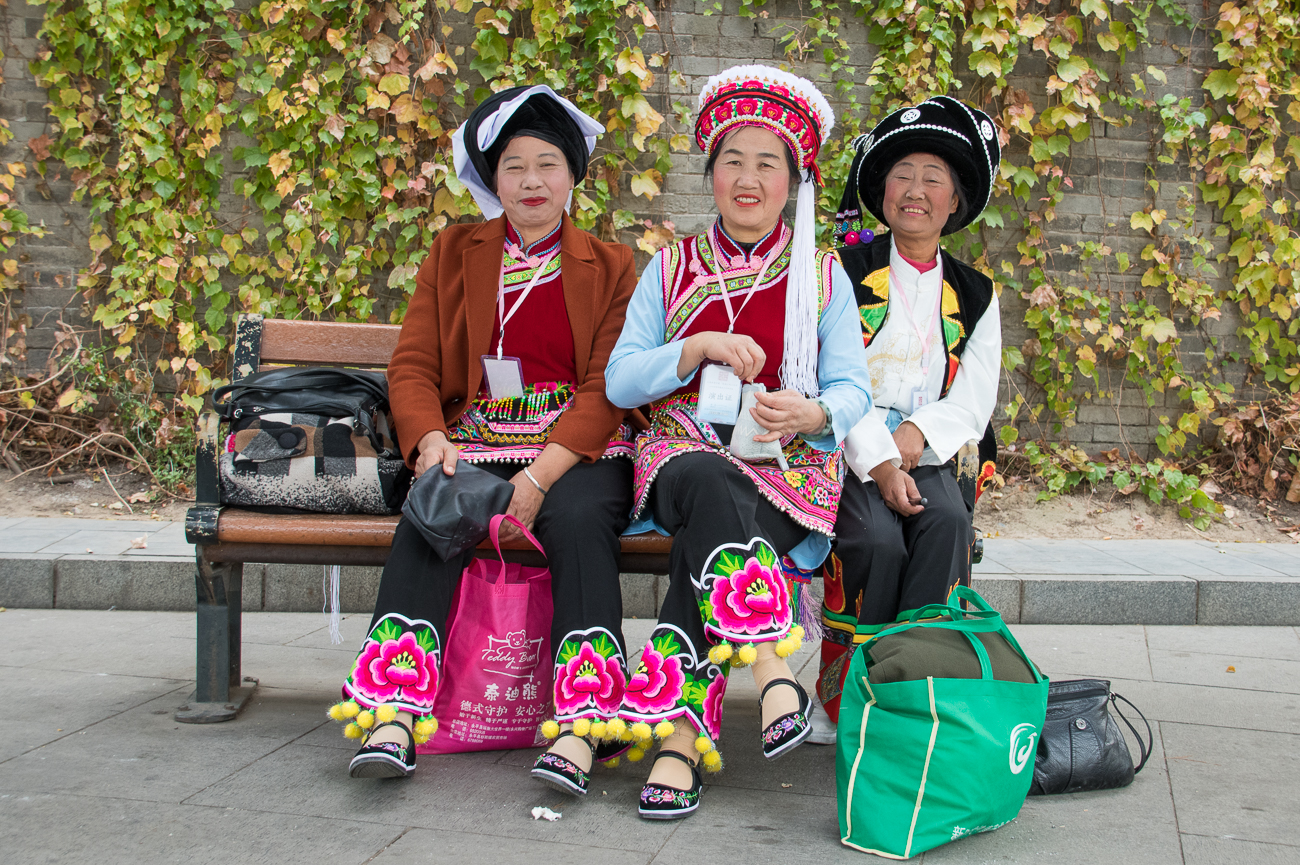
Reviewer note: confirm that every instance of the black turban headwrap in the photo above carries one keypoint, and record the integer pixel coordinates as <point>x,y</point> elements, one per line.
<point>539,116</point>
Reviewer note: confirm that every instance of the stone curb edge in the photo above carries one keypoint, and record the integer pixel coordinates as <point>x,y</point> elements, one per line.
<point>167,583</point>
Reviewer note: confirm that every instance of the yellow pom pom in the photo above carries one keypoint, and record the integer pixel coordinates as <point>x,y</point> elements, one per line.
<point>703,745</point>
<point>385,714</point>
<point>664,729</point>
<point>419,740</point>
<point>612,763</point>
<point>798,632</point>
<point>617,729</point>
<point>350,708</point>
<point>634,755</point>
<point>785,648</point>
<point>336,712</point>
<point>747,654</point>
<point>641,730</point>
<point>581,727</point>
<point>712,761</point>
<point>550,729</point>
<point>426,728</point>
<point>721,653</point>
<point>599,729</point>
<point>365,720</point>
<point>352,731</point>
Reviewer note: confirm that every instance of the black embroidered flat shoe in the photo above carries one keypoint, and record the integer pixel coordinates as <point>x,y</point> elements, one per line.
<point>607,750</point>
<point>386,759</point>
<point>561,772</point>
<point>788,731</point>
<point>661,802</point>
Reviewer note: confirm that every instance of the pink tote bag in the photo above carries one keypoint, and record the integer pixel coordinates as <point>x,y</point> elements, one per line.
<point>496,665</point>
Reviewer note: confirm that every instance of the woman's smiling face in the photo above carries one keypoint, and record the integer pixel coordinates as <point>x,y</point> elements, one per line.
<point>533,182</point>
<point>751,182</point>
<point>919,196</point>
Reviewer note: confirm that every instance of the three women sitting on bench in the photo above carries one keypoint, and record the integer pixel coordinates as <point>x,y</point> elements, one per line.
<point>750,493</point>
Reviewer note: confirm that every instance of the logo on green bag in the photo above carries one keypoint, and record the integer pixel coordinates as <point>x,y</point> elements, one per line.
<point>1020,753</point>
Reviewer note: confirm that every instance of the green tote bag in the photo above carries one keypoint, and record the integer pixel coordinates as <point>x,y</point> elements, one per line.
<point>921,763</point>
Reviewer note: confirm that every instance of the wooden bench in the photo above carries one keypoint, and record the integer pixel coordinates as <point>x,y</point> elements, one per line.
<point>225,538</point>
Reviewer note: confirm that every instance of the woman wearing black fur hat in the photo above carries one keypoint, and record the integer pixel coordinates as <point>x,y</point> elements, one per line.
<point>933,340</point>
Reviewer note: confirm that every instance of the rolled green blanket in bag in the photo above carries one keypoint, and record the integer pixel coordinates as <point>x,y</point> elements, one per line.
<point>938,728</point>
<point>944,654</point>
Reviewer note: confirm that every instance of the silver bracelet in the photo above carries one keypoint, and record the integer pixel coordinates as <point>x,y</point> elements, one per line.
<point>530,477</point>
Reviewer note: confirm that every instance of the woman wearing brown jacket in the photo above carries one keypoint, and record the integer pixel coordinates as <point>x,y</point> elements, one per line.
<point>501,362</point>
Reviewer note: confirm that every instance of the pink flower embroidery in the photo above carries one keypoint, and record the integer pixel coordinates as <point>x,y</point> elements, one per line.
<point>657,683</point>
<point>397,670</point>
<point>722,112</point>
<point>747,106</point>
<point>772,110</point>
<point>713,705</point>
<point>588,679</point>
<point>751,601</point>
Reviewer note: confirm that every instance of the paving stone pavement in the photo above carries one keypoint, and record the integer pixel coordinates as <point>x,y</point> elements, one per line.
<point>95,564</point>
<point>94,769</point>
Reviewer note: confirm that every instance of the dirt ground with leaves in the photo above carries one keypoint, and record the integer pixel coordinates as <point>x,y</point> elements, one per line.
<point>1104,513</point>
<point>1011,512</point>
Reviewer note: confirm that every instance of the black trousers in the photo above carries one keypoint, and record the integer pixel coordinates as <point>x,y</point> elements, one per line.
<point>578,525</point>
<point>727,544</point>
<point>894,563</point>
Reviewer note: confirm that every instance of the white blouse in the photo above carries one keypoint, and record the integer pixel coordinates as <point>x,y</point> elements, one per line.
<point>894,360</point>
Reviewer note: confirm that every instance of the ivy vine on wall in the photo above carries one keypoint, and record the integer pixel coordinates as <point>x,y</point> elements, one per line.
<point>293,159</point>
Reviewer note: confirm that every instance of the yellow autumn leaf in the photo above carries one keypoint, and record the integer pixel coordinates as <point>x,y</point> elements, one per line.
<point>393,84</point>
<point>279,162</point>
<point>68,397</point>
<point>406,109</point>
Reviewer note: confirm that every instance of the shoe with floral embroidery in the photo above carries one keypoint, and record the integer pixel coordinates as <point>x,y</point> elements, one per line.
<point>561,772</point>
<point>661,802</point>
<point>790,730</point>
<point>385,759</point>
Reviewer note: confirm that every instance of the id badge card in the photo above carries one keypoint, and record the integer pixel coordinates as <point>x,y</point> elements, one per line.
<point>920,396</point>
<point>504,376</point>
<point>719,394</point>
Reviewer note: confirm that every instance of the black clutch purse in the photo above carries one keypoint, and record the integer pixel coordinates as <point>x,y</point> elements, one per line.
<point>1081,747</point>
<point>453,513</point>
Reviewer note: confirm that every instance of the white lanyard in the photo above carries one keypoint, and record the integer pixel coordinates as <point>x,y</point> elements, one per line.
<point>762,271</point>
<point>911,318</point>
<point>518,255</point>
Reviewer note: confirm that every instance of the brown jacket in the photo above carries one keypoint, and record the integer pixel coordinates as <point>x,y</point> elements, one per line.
<point>436,369</point>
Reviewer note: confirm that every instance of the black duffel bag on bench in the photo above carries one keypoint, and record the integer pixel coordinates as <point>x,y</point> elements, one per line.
<point>310,439</point>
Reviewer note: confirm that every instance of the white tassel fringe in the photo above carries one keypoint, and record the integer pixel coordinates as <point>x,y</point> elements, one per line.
<point>799,365</point>
<point>330,584</point>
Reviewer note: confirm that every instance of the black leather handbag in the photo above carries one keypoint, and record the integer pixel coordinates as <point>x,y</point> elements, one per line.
<point>453,513</point>
<point>1081,747</point>
<point>325,391</point>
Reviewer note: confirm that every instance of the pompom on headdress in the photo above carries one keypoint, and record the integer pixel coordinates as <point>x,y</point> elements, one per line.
<point>963,135</point>
<point>796,112</point>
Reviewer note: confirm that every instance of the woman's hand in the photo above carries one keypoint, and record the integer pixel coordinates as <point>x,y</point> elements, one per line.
<point>436,450</point>
<point>898,489</point>
<point>550,465</point>
<point>738,351</point>
<point>911,443</point>
<point>524,505</point>
<point>786,412</point>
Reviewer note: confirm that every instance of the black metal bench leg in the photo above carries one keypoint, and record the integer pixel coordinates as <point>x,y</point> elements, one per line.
<point>219,691</point>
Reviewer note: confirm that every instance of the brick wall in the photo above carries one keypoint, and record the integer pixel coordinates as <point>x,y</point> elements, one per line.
<point>1109,172</point>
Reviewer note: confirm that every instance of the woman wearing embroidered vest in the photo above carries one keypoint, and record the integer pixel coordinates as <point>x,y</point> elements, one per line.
<point>530,286</point>
<point>933,339</point>
<point>750,300</point>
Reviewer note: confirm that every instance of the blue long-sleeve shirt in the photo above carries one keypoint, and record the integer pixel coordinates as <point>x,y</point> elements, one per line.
<point>643,368</point>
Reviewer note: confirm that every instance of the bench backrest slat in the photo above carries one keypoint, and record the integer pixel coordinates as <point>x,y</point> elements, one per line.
<point>327,343</point>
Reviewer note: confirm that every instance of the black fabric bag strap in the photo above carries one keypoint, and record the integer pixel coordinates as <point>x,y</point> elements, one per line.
<point>1146,746</point>
<point>289,379</point>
